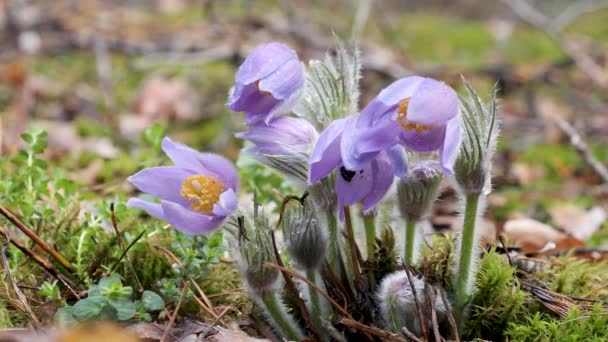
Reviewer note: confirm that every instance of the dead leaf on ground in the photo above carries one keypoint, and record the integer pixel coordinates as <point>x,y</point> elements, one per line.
<point>536,237</point>
<point>578,222</point>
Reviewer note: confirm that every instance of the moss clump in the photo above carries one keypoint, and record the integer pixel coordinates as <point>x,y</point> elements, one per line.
<point>576,277</point>
<point>539,327</point>
<point>498,298</point>
<point>438,259</point>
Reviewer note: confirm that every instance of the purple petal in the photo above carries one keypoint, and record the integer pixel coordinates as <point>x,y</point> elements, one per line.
<point>285,81</point>
<point>424,141</point>
<point>164,182</point>
<point>281,136</point>
<point>153,209</point>
<point>360,145</point>
<point>389,98</point>
<point>451,145</point>
<point>182,155</point>
<point>326,154</point>
<point>221,168</point>
<point>383,175</point>
<point>227,204</point>
<point>249,99</point>
<point>263,60</point>
<point>207,164</point>
<point>434,103</point>
<point>189,221</point>
<point>353,185</point>
<point>398,159</point>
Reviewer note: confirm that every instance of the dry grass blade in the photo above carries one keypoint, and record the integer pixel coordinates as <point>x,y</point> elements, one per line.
<point>423,328</point>
<point>52,252</point>
<point>16,288</point>
<point>451,319</point>
<point>121,245</point>
<point>410,335</point>
<point>174,314</point>
<point>383,334</point>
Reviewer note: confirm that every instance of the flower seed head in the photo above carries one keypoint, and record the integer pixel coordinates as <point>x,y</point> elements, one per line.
<point>418,192</point>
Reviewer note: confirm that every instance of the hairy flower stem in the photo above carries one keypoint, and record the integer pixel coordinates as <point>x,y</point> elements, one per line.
<point>467,251</point>
<point>410,242</point>
<point>370,233</point>
<point>315,302</point>
<point>285,325</point>
<point>333,254</point>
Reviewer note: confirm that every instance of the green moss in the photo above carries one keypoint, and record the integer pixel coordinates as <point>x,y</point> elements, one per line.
<point>541,327</point>
<point>576,277</point>
<point>559,160</point>
<point>497,300</point>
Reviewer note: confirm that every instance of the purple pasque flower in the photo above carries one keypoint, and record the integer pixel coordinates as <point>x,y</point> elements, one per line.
<point>283,136</point>
<point>419,113</point>
<point>196,194</point>
<point>268,83</point>
<point>367,183</point>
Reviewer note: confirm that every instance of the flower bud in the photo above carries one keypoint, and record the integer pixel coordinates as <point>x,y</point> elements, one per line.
<point>474,163</point>
<point>252,248</point>
<point>398,304</point>
<point>305,240</point>
<point>418,192</point>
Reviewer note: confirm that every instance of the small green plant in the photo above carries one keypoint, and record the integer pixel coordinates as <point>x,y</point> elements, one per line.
<point>110,300</point>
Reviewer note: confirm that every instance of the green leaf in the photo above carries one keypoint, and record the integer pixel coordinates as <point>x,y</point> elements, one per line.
<point>89,308</point>
<point>125,309</point>
<point>153,135</point>
<point>27,138</point>
<point>152,301</point>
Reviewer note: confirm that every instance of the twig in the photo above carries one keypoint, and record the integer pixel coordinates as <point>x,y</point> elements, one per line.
<point>450,316</point>
<point>226,293</point>
<point>121,245</point>
<point>43,263</point>
<point>16,288</point>
<point>337,306</point>
<point>431,295</point>
<point>174,315</point>
<point>575,10</point>
<point>410,335</point>
<point>423,328</point>
<point>292,287</point>
<point>124,253</point>
<point>535,18</point>
<point>383,334</point>
<point>581,147</point>
<point>52,252</point>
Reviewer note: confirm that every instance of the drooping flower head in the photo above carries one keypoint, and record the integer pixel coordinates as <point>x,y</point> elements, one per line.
<point>196,194</point>
<point>268,83</point>
<point>368,183</point>
<point>416,112</point>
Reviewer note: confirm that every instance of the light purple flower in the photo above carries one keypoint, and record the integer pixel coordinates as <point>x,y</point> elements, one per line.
<point>268,83</point>
<point>196,194</point>
<point>368,183</point>
<point>419,113</point>
<point>283,136</point>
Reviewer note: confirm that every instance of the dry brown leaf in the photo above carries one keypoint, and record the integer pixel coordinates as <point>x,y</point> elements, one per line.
<point>161,99</point>
<point>578,222</point>
<point>537,237</point>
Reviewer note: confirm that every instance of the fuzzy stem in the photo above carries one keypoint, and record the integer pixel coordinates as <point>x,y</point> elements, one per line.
<point>370,233</point>
<point>467,250</point>
<point>410,242</point>
<point>286,326</point>
<point>333,254</point>
<point>315,302</point>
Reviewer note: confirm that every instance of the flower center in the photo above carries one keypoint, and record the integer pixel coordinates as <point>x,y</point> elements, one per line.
<point>404,122</point>
<point>203,191</point>
<point>257,86</point>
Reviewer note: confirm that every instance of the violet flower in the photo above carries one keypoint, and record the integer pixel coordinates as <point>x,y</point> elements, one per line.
<point>268,83</point>
<point>367,183</point>
<point>284,136</point>
<point>196,194</point>
<point>419,113</point>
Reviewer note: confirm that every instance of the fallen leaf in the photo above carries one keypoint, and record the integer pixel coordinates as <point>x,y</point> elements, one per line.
<point>576,221</point>
<point>537,237</point>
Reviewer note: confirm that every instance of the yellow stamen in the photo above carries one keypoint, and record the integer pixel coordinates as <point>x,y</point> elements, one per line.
<point>257,85</point>
<point>402,118</point>
<point>204,191</point>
